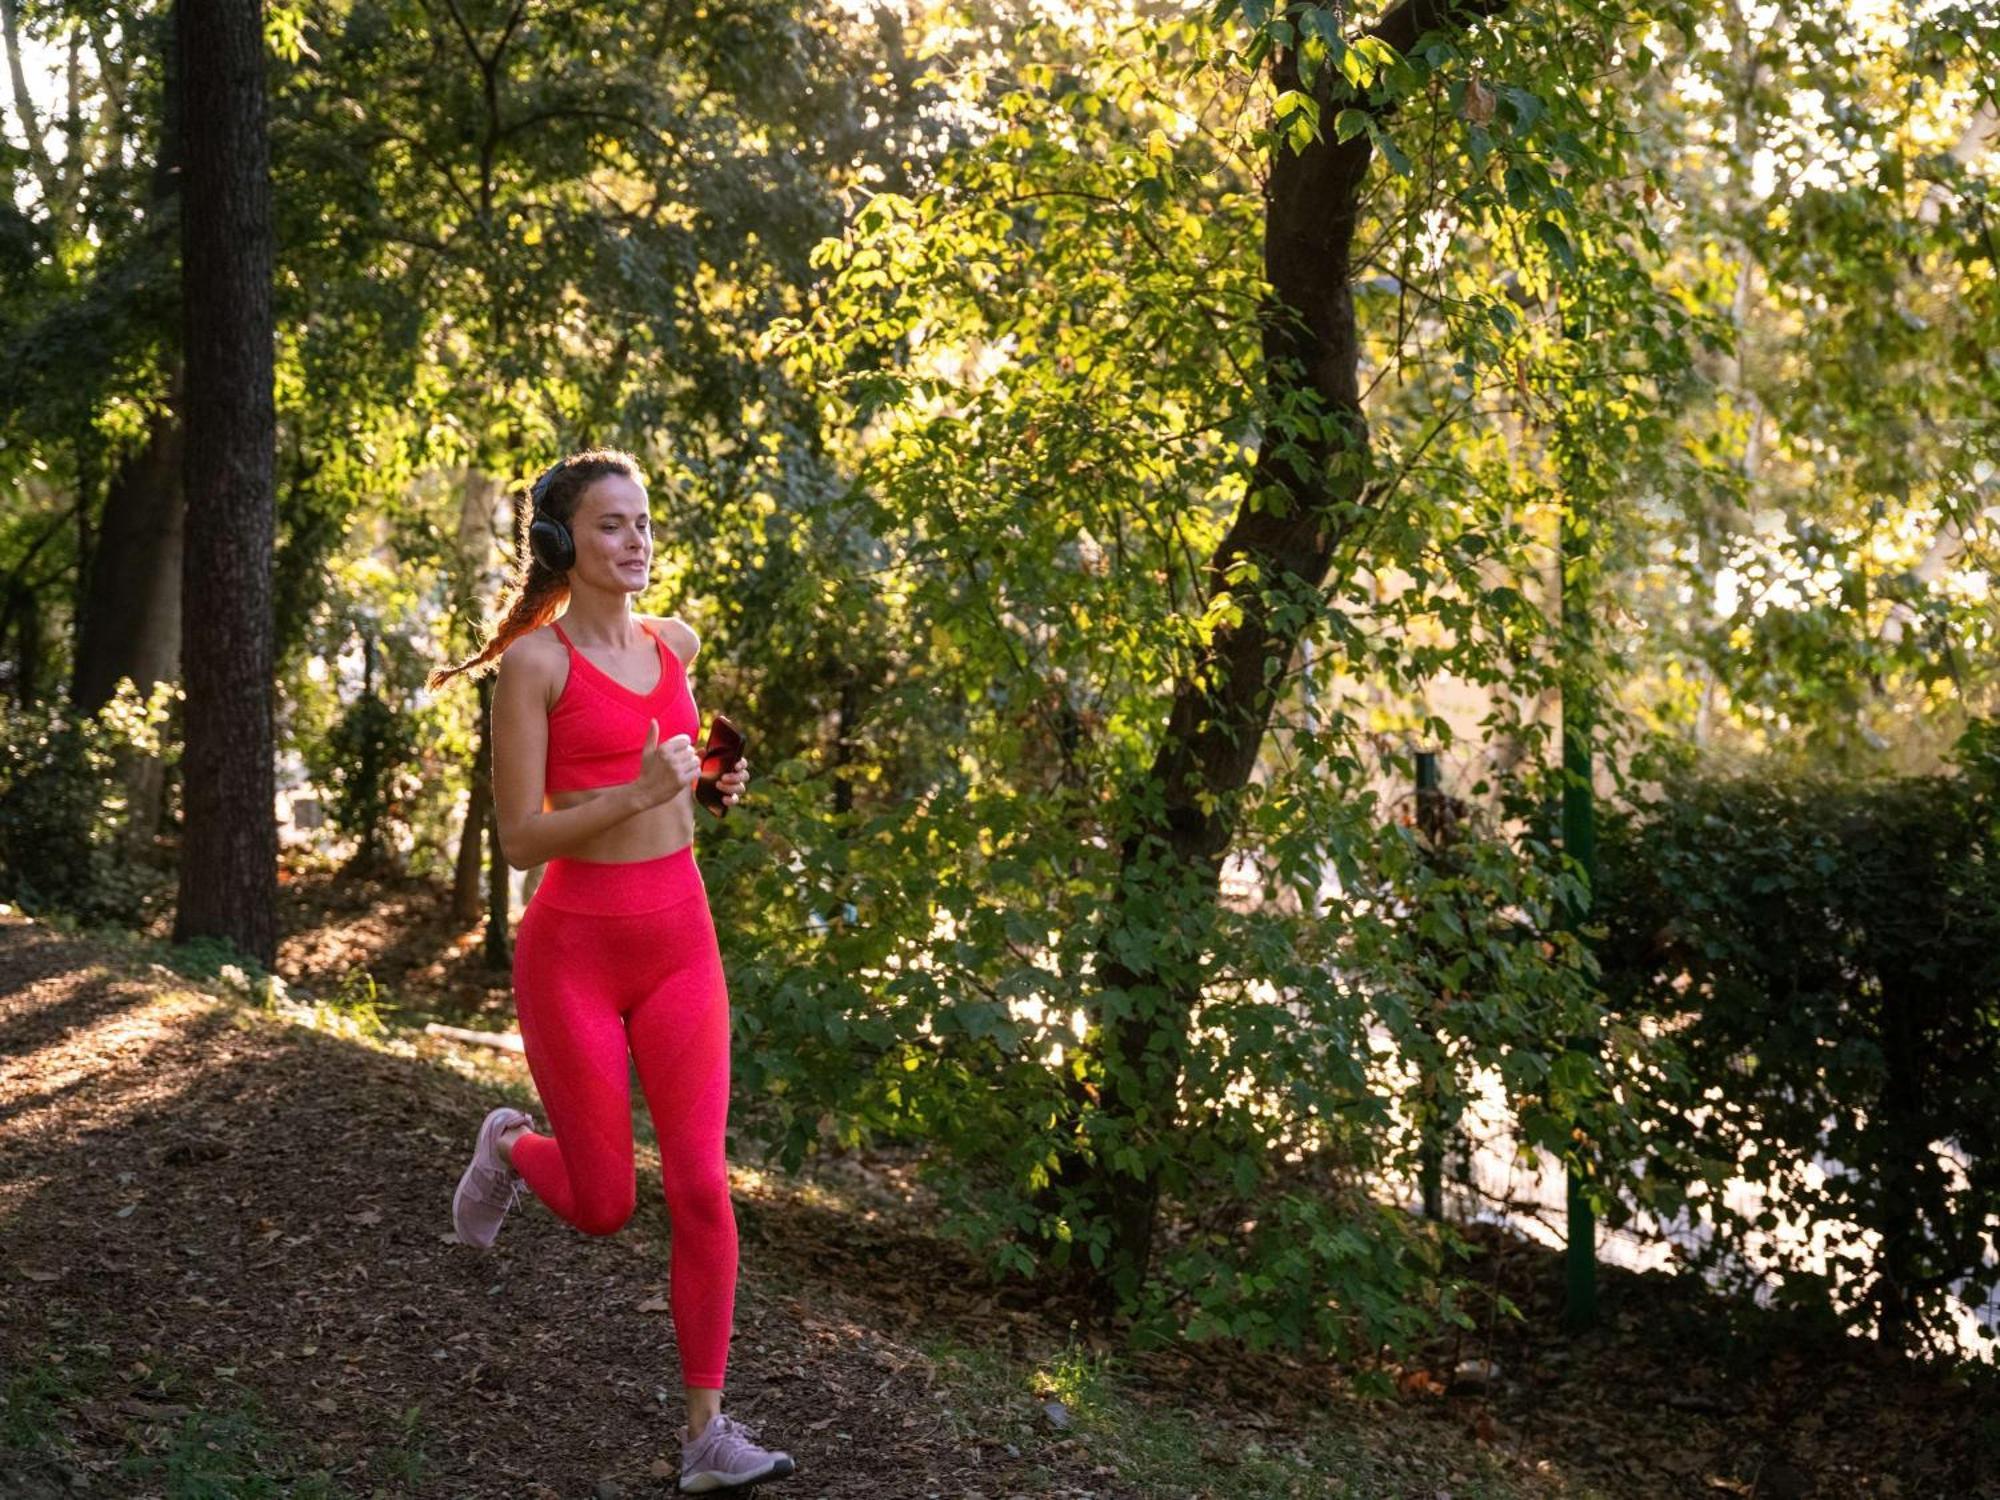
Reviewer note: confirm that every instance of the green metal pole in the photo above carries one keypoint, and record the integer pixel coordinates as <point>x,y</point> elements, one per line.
<point>1579,825</point>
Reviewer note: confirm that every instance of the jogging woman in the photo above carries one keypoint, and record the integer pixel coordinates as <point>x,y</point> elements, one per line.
<point>594,767</point>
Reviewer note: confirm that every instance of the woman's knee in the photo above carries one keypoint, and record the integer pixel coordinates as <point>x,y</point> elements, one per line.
<point>605,1214</point>
<point>698,1197</point>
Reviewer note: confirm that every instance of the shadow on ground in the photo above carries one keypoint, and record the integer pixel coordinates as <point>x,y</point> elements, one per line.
<point>215,1222</point>
<point>226,1269</point>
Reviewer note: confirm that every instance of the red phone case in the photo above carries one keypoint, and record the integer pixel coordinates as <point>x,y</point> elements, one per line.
<point>722,750</point>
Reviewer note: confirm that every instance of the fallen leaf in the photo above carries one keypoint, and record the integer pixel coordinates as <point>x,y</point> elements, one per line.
<point>1419,1383</point>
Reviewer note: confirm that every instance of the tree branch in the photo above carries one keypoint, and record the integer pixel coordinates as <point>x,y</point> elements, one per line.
<point>1404,26</point>
<point>24,106</point>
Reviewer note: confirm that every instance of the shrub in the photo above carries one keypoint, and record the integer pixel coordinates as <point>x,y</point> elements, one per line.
<point>63,844</point>
<point>1826,958</point>
<point>360,763</point>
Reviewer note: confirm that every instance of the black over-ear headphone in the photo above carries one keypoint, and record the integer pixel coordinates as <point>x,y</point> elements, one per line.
<point>548,538</point>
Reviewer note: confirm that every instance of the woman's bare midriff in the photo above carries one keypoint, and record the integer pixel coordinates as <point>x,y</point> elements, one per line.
<point>652,834</point>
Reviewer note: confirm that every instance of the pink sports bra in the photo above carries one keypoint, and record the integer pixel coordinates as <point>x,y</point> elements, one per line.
<point>598,725</point>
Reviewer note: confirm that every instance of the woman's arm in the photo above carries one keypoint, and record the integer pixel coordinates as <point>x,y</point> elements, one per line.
<point>529,833</point>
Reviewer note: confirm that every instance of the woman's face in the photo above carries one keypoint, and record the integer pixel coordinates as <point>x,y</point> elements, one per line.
<point>614,535</point>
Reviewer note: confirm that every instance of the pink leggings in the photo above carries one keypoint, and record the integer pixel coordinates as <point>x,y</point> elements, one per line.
<point>611,955</point>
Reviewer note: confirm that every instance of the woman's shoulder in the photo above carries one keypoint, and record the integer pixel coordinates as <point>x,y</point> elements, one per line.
<point>540,643</point>
<point>537,655</point>
<point>677,633</point>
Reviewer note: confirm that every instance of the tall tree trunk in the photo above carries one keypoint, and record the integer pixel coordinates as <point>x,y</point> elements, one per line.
<point>845,726</point>
<point>132,621</point>
<point>480,840</point>
<point>229,852</point>
<point>498,953</point>
<point>128,577</point>
<point>477,527</point>
<point>130,624</point>
<point>46,175</point>
<point>23,593</point>
<point>466,897</point>
<point>23,620</point>
<point>498,947</point>
<point>1221,708</point>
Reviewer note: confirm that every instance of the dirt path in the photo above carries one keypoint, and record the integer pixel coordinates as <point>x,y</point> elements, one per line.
<point>226,1269</point>
<point>225,1240</point>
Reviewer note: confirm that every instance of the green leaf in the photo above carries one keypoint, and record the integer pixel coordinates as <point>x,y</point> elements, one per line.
<point>1558,243</point>
<point>1398,160</point>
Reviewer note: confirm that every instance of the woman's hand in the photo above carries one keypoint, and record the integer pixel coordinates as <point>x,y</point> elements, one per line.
<point>665,771</point>
<point>732,782</point>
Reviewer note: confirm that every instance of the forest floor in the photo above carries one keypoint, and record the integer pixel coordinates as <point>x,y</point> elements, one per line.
<point>227,1269</point>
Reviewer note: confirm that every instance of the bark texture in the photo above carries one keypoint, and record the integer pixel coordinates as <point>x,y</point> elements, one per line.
<point>229,851</point>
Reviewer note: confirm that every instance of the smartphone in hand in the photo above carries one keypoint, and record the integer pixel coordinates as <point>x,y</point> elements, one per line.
<point>723,749</point>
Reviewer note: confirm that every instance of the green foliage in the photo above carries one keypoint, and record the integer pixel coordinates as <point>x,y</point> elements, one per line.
<point>948,345</point>
<point>1824,958</point>
<point>1806,579</point>
<point>361,764</point>
<point>64,841</point>
<point>367,747</point>
<point>501,240</point>
<point>1047,371</point>
<point>214,958</point>
<point>385,759</point>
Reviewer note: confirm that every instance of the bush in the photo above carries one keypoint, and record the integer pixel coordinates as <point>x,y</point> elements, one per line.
<point>1825,955</point>
<point>1335,1037</point>
<point>63,837</point>
<point>360,763</point>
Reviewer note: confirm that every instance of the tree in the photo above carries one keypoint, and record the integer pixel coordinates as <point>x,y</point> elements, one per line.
<point>1808,578</point>
<point>229,847</point>
<point>89,328</point>
<point>1313,482</point>
<point>1124,497</point>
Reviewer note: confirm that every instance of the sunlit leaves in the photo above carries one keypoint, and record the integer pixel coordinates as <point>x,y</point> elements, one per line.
<point>1048,372</point>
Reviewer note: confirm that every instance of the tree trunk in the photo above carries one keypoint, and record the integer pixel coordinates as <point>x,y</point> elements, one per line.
<point>466,898</point>
<point>44,169</point>
<point>130,581</point>
<point>1305,489</point>
<point>133,624</point>
<point>477,528</point>
<point>23,620</point>
<point>845,726</point>
<point>498,953</point>
<point>229,852</point>
<point>132,621</point>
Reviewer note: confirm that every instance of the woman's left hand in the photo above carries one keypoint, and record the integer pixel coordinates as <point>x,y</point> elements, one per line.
<point>731,782</point>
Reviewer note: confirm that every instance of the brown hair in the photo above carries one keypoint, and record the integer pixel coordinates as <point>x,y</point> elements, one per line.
<point>537,591</point>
